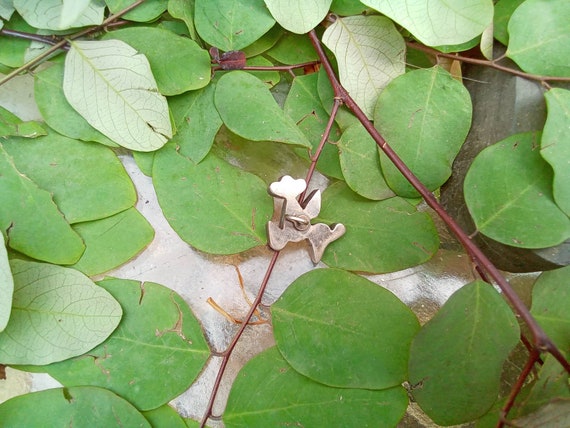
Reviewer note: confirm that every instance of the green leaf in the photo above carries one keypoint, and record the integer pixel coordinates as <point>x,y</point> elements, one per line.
<point>269,393</point>
<point>197,122</point>
<point>370,53</point>
<point>344,118</point>
<point>14,48</point>
<point>11,125</point>
<point>231,24</point>
<point>57,112</point>
<point>112,87</point>
<point>177,63</point>
<point>59,15</point>
<point>184,10</point>
<point>348,7</point>
<point>342,330</point>
<point>381,236</point>
<point>6,286</point>
<point>153,356</point>
<point>248,109</point>
<point>438,22</point>
<point>266,42</point>
<point>503,11</point>
<point>542,47</point>
<point>86,181</point>
<point>293,49</point>
<point>270,78</point>
<point>83,406</point>
<point>164,417</point>
<point>425,116</point>
<point>215,207</point>
<point>146,12</point>
<point>508,191</point>
<point>550,299</point>
<point>57,313</point>
<point>555,144</point>
<point>31,222</point>
<point>304,106</point>
<point>455,363</point>
<point>112,241</point>
<point>360,164</point>
<point>298,16</point>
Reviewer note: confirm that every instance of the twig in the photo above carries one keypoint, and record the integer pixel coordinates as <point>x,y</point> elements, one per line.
<point>62,43</point>
<point>48,40</point>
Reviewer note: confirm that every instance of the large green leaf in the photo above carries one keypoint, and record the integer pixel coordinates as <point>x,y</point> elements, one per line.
<point>555,144</point>
<point>153,356</point>
<point>6,286</point>
<point>111,85</point>
<point>457,357</point>
<point>86,181</point>
<point>425,116</point>
<point>177,63</point>
<point>60,14</point>
<point>381,236</point>
<point>215,207</point>
<point>11,125</point>
<point>197,122</point>
<point>57,313</point>
<point>112,241</point>
<point>360,164</point>
<point>543,46</point>
<point>298,16</point>
<point>145,12</point>
<point>370,53</point>
<point>304,106</point>
<point>31,222</point>
<point>269,393</point>
<point>231,24</point>
<point>56,111</point>
<point>550,300</point>
<point>83,406</point>
<point>438,22</point>
<point>508,191</point>
<point>342,330</point>
<point>248,109</point>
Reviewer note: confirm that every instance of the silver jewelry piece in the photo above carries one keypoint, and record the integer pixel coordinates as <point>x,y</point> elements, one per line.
<point>291,221</point>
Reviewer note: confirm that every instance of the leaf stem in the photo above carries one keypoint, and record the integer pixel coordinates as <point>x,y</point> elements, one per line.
<point>62,43</point>
<point>489,63</point>
<point>540,339</point>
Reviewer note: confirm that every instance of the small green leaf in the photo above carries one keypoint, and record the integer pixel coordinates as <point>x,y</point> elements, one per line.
<point>187,68</point>
<point>270,78</point>
<point>542,47</point>
<point>360,164</point>
<point>438,22</point>
<point>14,48</point>
<point>59,14</point>
<point>145,12</point>
<point>184,10</point>
<point>57,313</point>
<point>503,11</point>
<point>215,207</point>
<point>269,393</point>
<point>197,122</point>
<point>381,236</point>
<point>112,241</point>
<point>6,286</point>
<point>348,7</point>
<point>342,330</point>
<point>266,42</point>
<point>57,112</point>
<point>454,346</point>
<point>231,24</point>
<point>293,49</point>
<point>304,106</point>
<point>112,87</point>
<point>248,109</point>
<point>83,406</point>
<point>555,144</point>
<point>11,125</point>
<point>370,53</point>
<point>425,116</point>
<point>31,221</point>
<point>550,300</point>
<point>158,339</point>
<point>508,191</point>
<point>164,417</point>
<point>86,181</point>
<point>298,16</point>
